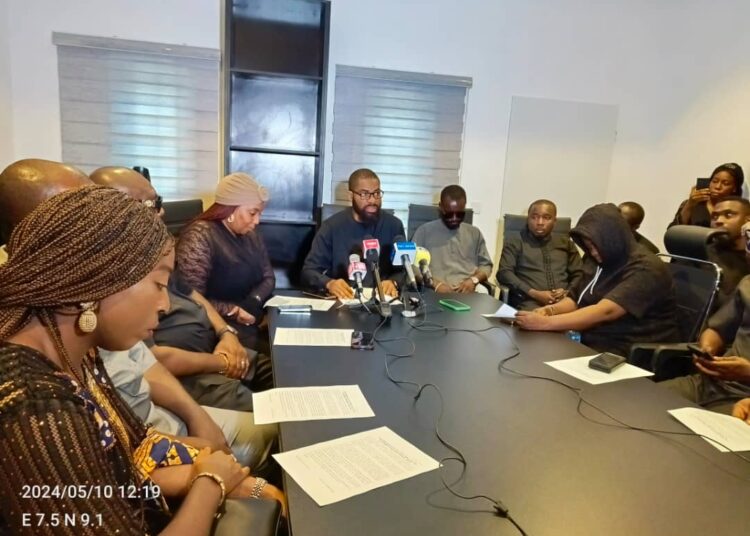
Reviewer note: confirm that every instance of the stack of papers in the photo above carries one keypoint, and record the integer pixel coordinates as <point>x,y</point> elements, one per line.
<point>335,470</point>
<point>506,312</point>
<point>731,432</point>
<point>317,305</point>
<point>312,337</point>
<point>578,367</point>
<point>310,404</point>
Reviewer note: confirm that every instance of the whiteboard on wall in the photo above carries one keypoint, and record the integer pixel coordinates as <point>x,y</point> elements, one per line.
<point>558,150</point>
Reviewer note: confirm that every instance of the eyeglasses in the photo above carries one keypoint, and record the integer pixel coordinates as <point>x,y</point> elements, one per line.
<point>364,195</point>
<point>459,214</point>
<point>154,203</point>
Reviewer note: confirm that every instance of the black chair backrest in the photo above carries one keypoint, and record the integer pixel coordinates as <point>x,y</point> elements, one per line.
<point>177,214</point>
<point>515,223</point>
<point>328,210</point>
<point>421,214</point>
<point>690,240</point>
<point>696,285</point>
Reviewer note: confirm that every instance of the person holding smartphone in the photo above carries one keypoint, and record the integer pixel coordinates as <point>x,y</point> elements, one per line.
<point>725,180</point>
<point>723,376</point>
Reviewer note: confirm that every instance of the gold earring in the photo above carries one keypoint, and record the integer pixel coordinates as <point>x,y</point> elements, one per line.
<point>87,319</point>
<point>230,219</point>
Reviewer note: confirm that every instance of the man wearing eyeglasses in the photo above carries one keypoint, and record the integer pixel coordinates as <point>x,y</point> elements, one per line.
<point>325,268</point>
<point>459,257</point>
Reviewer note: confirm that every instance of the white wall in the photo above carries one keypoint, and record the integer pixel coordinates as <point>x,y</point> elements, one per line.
<point>6,125</point>
<point>679,70</point>
<point>33,57</point>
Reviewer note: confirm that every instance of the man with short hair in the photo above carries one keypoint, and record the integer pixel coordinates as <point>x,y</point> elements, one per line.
<point>26,183</point>
<point>728,251</point>
<point>326,265</point>
<point>537,266</point>
<point>634,214</point>
<point>724,378</point>
<point>459,257</point>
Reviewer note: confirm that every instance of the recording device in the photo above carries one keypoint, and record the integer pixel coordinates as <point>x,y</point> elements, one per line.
<point>357,271</point>
<point>702,184</point>
<point>423,262</point>
<point>606,362</point>
<point>700,352</point>
<point>404,254</point>
<point>362,340</point>
<point>371,247</point>
<point>454,305</point>
<point>294,309</point>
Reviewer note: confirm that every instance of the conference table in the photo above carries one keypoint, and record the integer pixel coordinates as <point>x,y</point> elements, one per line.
<point>525,441</point>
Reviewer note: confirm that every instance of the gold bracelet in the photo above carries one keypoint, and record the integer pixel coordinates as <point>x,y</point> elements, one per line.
<point>438,286</point>
<point>216,478</point>
<point>225,357</point>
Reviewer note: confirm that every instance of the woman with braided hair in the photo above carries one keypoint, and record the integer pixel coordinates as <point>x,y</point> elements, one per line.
<point>88,268</point>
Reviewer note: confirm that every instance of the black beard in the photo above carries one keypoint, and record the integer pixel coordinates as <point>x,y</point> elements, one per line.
<point>366,216</point>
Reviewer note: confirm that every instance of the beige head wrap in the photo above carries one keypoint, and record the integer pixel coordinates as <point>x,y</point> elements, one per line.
<point>238,189</point>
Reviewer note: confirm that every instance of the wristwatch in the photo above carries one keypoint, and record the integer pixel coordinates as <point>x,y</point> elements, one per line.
<point>475,280</point>
<point>226,329</point>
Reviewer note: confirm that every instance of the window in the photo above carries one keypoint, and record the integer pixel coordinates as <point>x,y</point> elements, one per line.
<point>407,127</point>
<point>130,103</point>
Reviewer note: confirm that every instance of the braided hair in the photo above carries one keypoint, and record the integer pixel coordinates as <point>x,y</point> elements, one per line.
<point>79,246</point>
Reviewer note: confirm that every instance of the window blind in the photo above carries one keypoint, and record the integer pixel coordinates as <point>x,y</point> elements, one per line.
<point>407,127</point>
<point>129,103</point>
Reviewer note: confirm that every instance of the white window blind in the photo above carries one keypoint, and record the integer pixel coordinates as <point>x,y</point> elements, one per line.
<point>130,103</point>
<point>407,127</point>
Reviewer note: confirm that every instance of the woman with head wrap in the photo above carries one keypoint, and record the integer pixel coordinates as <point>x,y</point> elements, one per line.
<point>88,268</point>
<point>726,180</point>
<point>222,257</point>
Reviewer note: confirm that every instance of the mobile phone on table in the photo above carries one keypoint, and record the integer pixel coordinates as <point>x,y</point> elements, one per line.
<point>454,305</point>
<point>294,309</point>
<point>606,362</point>
<point>362,340</point>
<point>700,352</point>
<point>702,183</point>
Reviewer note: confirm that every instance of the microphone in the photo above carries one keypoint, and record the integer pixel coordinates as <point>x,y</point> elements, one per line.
<point>357,271</point>
<point>423,261</point>
<point>371,247</point>
<point>404,254</point>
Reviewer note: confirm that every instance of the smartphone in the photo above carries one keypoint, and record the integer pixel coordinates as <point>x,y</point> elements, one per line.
<point>362,340</point>
<point>454,305</point>
<point>702,184</point>
<point>606,362</point>
<point>700,352</point>
<point>294,309</point>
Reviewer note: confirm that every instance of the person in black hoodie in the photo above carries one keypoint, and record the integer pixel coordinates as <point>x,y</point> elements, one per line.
<point>626,294</point>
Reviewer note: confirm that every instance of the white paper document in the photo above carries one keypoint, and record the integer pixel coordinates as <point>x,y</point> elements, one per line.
<point>731,432</point>
<point>367,296</point>
<point>312,337</point>
<point>578,367</point>
<point>317,305</point>
<point>310,404</point>
<point>505,311</point>
<point>341,468</point>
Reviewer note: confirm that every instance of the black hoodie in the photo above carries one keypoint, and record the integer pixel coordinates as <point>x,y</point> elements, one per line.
<point>631,277</point>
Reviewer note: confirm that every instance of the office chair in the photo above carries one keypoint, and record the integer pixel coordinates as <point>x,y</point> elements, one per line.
<point>513,224</point>
<point>696,286</point>
<point>177,214</point>
<point>421,214</point>
<point>689,241</point>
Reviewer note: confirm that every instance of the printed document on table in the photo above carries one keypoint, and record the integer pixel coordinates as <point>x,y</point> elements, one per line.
<point>731,432</point>
<point>578,367</point>
<point>341,468</point>
<point>310,404</point>
<point>505,311</point>
<point>317,305</point>
<point>312,337</point>
<point>367,296</point>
